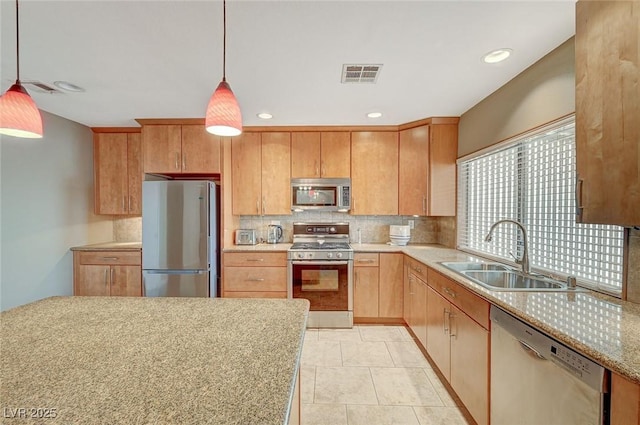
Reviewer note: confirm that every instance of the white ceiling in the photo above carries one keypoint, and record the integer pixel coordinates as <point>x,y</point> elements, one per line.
<point>163,59</point>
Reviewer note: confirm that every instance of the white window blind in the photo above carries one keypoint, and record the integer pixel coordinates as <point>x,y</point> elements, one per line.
<point>531,179</point>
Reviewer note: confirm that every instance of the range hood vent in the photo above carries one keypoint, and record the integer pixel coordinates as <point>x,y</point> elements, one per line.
<point>360,73</point>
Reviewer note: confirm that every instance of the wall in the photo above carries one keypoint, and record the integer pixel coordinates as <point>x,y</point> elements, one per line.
<point>47,207</point>
<point>523,103</point>
<point>373,229</point>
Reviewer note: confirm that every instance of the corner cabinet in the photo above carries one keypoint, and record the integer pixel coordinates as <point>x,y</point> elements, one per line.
<point>180,149</point>
<point>377,288</point>
<point>261,173</point>
<point>415,298</point>
<point>107,273</point>
<point>427,173</point>
<point>607,111</point>
<point>374,173</point>
<point>117,172</point>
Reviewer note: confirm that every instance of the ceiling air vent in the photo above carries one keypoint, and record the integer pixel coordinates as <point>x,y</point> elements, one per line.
<point>39,87</point>
<point>359,73</point>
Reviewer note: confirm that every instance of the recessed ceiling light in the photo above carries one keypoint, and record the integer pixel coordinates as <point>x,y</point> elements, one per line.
<point>374,114</point>
<point>65,85</point>
<point>497,55</point>
<point>265,115</point>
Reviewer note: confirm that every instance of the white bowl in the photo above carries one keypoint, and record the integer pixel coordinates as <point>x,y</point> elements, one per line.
<point>399,243</point>
<point>397,230</point>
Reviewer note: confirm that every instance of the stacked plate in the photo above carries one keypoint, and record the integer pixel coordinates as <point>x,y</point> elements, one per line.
<point>399,235</point>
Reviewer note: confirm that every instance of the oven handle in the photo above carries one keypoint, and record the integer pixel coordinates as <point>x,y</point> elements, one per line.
<point>321,263</point>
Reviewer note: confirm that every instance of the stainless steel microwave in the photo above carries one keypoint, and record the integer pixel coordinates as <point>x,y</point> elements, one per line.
<point>321,194</point>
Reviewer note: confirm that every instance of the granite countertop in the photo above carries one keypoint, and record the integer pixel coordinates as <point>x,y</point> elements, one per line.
<point>601,327</point>
<point>112,360</point>
<point>110,246</point>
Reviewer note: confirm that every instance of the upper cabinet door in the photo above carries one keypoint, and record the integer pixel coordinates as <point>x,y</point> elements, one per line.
<point>414,171</point>
<point>200,150</point>
<point>110,173</point>
<point>246,174</point>
<point>276,173</point>
<point>162,148</point>
<point>374,177</point>
<point>305,155</point>
<point>608,111</point>
<point>335,154</point>
<point>134,173</point>
<point>443,151</point>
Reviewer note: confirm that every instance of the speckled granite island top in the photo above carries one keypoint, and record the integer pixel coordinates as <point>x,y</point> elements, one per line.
<point>108,360</point>
<point>110,246</point>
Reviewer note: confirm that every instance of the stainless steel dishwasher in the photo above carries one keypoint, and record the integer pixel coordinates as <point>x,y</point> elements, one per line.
<point>536,380</point>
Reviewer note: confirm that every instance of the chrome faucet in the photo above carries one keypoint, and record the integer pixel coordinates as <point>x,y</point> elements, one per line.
<point>524,261</point>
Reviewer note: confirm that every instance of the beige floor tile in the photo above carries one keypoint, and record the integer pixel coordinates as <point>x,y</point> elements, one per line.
<point>311,335</point>
<point>339,334</point>
<point>365,354</point>
<point>439,416</point>
<point>321,353</point>
<point>344,385</point>
<point>442,391</point>
<point>323,414</point>
<point>404,333</point>
<point>406,354</point>
<point>307,383</point>
<point>381,415</point>
<point>404,386</point>
<point>381,333</point>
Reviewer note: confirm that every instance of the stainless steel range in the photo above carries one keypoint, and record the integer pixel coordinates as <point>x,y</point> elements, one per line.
<point>320,269</point>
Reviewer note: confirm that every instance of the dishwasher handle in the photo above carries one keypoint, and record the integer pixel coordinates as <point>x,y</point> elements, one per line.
<point>531,351</point>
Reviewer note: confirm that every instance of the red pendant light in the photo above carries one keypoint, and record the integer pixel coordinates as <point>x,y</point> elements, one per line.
<point>223,112</point>
<point>19,115</point>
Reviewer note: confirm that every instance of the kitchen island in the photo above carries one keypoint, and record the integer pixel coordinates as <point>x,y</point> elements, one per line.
<point>106,360</point>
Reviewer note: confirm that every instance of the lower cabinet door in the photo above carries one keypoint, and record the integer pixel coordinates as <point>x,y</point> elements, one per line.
<point>365,292</point>
<point>470,364</point>
<point>126,281</point>
<point>92,280</point>
<point>438,328</point>
<point>419,310</point>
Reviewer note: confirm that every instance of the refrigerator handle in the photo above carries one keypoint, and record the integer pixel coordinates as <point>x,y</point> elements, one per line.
<point>175,271</point>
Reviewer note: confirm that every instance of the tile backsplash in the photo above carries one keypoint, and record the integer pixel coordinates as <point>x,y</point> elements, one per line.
<point>373,229</point>
<point>127,229</point>
<point>633,270</point>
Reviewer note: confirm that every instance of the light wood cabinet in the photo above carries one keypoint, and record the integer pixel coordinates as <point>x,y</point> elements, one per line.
<point>254,275</point>
<point>378,286</point>
<point>416,299</point>
<point>374,173</point>
<point>117,173</point>
<point>180,149</point>
<point>607,111</point>
<point>427,173</point>
<point>625,401</point>
<point>458,341</point>
<point>261,174</point>
<point>107,273</point>
<point>321,154</point>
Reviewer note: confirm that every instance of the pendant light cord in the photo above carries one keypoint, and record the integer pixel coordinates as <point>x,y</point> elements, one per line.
<point>224,39</point>
<point>17,44</point>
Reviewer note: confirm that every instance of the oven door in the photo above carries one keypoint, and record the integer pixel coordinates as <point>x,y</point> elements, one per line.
<point>328,285</point>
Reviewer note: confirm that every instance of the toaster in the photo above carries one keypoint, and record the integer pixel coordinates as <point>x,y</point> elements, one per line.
<point>246,237</point>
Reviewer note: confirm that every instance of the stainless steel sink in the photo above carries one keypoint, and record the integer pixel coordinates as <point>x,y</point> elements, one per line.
<point>498,277</point>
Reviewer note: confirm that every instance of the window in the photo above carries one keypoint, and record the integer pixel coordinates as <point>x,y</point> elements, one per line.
<point>531,179</point>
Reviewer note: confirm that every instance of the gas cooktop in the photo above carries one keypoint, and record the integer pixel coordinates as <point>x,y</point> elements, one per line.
<point>320,245</point>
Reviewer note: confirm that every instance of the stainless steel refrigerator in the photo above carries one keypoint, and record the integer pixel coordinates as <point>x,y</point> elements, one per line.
<point>179,238</point>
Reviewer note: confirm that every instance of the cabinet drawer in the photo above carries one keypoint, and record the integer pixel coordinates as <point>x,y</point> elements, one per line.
<point>255,259</point>
<point>255,279</point>
<point>366,259</point>
<point>416,267</point>
<point>255,294</point>
<point>132,258</point>
<point>474,306</point>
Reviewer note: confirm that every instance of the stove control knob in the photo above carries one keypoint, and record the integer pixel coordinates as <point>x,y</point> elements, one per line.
<point>310,255</point>
<point>332,229</point>
<point>339,255</point>
<point>329,254</point>
<point>301,255</point>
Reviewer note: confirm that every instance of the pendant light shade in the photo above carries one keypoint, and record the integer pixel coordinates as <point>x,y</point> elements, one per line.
<point>223,112</point>
<point>19,115</point>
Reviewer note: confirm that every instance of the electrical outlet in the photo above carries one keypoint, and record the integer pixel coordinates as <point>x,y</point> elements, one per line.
<point>411,224</point>
<point>275,222</point>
